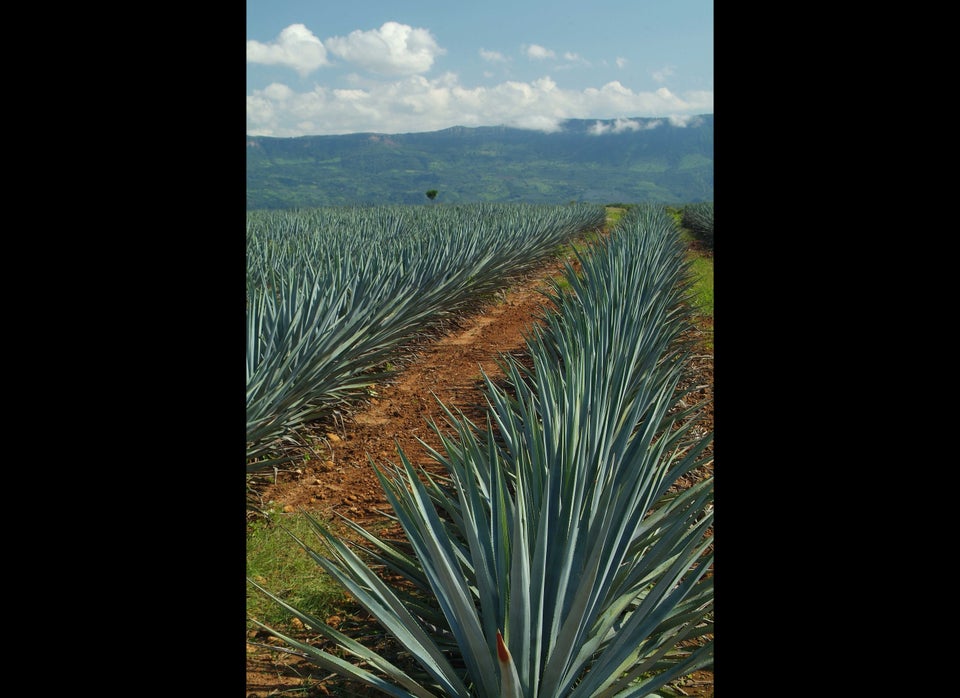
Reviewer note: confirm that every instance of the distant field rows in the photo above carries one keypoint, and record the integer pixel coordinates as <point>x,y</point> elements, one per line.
<point>334,292</point>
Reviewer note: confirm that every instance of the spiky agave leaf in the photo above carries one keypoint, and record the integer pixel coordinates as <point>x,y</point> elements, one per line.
<point>509,681</point>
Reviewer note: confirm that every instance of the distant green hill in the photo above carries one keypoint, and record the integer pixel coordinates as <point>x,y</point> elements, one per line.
<point>644,160</point>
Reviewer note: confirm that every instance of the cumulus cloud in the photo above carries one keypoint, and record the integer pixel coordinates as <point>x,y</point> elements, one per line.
<point>393,49</point>
<point>539,53</point>
<point>667,96</point>
<point>278,92</point>
<point>416,104</point>
<point>296,47</point>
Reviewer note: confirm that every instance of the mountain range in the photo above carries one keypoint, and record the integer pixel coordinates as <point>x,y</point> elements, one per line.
<point>590,160</point>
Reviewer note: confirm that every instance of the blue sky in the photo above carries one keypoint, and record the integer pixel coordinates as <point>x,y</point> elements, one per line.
<point>319,67</point>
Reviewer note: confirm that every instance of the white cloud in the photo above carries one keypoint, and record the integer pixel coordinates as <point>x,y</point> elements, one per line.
<point>574,60</point>
<point>296,47</point>
<point>684,120</point>
<point>393,49</point>
<point>662,74</point>
<point>418,104</point>
<point>621,125</point>
<point>278,92</point>
<point>666,95</point>
<point>492,56</point>
<point>621,62</point>
<point>260,111</point>
<point>539,53</point>
<point>538,122</point>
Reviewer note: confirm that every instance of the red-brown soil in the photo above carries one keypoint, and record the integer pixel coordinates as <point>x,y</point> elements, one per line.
<point>340,479</point>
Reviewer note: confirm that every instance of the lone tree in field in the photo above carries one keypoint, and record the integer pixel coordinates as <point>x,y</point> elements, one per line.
<point>432,194</point>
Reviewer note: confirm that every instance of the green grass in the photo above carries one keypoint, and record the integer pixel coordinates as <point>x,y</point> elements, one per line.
<point>676,213</point>
<point>614,214</point>
<point>276,562</point>
<point>702,268</point>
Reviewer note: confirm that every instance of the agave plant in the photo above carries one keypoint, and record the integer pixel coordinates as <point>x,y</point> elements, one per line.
<point>556,557</point>
<point>333,295</point>
<point>699,219</point>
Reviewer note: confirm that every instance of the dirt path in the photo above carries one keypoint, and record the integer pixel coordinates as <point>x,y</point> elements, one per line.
<point>340,479</point>
<point>448,367</point>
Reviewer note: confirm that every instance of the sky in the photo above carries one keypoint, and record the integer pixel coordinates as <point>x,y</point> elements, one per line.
<point>325,67</point>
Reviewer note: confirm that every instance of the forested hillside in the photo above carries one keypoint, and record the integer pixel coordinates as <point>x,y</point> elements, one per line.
<point>597,161</point>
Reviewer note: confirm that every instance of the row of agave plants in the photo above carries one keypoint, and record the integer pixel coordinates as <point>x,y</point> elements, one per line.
<point>557,555</point>
<point>698,218</point>
<point>333,293</point>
